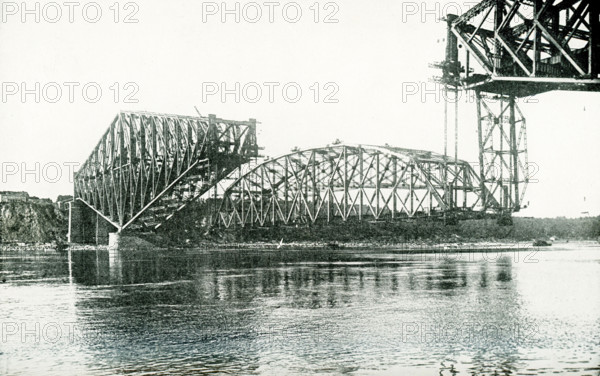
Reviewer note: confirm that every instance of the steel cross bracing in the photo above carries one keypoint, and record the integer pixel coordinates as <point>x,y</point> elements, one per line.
<point>525,47</point>
<point>503,164</point>
<point>341,182</point>
<point>148,166</point>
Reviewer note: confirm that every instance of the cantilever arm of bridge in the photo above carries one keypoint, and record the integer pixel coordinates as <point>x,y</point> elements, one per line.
<point>148,166</point>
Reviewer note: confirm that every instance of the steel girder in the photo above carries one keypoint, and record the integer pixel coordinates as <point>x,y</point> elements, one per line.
<point>530,46</point>
<point>341,182</point>
<point>148,166</point>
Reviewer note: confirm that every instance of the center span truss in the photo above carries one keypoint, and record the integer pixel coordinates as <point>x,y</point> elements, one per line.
<point>341,182</point>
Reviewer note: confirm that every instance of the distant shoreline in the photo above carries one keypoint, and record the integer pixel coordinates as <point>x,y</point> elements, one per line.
<point>408,247</point>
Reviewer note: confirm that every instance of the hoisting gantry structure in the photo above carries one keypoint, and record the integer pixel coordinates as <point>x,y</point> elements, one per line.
<point>505,50</point>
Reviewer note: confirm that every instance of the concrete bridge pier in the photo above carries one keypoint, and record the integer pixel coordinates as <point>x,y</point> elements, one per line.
<point>118,241</point>
<point>114,240</point>
<point>115,259</point>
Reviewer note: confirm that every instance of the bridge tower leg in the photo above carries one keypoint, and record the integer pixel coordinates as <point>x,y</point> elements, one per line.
<point>503,164</point>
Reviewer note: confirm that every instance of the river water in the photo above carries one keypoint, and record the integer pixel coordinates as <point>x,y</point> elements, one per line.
<point>301,312</point>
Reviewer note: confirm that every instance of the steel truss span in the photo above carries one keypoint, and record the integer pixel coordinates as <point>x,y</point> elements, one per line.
<point>148,166</point>
<point>343,182</point>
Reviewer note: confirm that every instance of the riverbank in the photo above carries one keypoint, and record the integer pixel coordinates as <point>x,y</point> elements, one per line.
<point>425,247</point>
<point>40,223</point>
<point>39,247</point>
<point>420,247</point>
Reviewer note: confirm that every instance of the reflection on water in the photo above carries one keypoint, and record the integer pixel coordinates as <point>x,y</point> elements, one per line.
<point>300,311</point>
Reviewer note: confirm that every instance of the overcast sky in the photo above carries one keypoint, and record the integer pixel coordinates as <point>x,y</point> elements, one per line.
<point>179,52</point>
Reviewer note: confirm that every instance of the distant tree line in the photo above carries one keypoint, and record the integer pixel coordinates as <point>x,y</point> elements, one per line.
<point>522,229</point>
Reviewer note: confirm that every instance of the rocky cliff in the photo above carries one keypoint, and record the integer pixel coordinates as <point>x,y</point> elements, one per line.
<point>32,222</point>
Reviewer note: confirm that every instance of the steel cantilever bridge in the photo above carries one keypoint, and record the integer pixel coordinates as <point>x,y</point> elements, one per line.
<point>147,168</point>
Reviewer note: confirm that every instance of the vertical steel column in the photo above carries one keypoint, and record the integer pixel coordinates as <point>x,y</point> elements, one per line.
<point>455,180</point>
<point>377,185</point>
<point>166,152</point>
<point>189,146</point>
<point>330,214</point>
<point>464,185</point>
<point>121,207</point>
<point>142,163</point>
<point>286,188</point>
<point>498,17</point>
<point>314,186</point>
<point>445,170</point>
<point>594,45</point>
<point>500,152</point>
<point>514,153</point>
<point>411,189</point>
<point>242,198</point>
<point>154,165</point>
<point>395,188</point>
<point>480,136</point>
<point>131,169</point>
<point>345,159</point>
<point>361,186</point>
<point>262,194</point>
<point>537,37</point>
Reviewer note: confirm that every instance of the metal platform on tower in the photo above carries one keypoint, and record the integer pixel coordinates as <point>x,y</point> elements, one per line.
<point>526,47</point>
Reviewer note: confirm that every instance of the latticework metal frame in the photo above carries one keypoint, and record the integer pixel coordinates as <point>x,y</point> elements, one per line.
<point>532,45</point>
<point>148,166</point>
<point>341,182</point>
<point>504,168</point>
